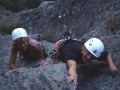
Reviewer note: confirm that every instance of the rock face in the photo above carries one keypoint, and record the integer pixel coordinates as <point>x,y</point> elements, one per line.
<point>76,16</point>
<point>4,13</point>
<point>84,19</point>
<point>50,77</point>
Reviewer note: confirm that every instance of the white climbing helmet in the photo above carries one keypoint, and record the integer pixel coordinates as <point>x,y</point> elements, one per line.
<point>19,32</point>
<point>94,46</point>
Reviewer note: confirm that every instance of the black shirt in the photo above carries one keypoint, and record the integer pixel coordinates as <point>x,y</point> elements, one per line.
<point>72,51</point>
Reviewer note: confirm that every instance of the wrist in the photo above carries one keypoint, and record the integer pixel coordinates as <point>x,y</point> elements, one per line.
<point>111,64</point>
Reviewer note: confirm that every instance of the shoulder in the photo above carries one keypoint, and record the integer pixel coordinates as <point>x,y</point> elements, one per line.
<point>71,62</point>
<point>74,43</point>
<point>103,55</point>
<point>33,42</point>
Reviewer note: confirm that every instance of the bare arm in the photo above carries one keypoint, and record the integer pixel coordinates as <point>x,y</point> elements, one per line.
<point>41,56</point>
<point>72,71</point>
<point>112,67</point>
<point>40,52</point>
<point>12,60</point>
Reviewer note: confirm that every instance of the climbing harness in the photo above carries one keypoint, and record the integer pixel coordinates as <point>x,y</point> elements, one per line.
<point>56,51</point>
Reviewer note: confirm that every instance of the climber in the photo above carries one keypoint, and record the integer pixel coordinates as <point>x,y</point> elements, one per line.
<point>29,48</point>
<point>75,52</point>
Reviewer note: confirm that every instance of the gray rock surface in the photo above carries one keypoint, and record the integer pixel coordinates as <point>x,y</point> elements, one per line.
<point>50,77</point>
<point>84,19</point>
<point>4,13</point>
<point>76,16</point>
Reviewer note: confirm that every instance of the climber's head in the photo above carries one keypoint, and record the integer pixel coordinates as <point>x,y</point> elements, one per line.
<point>20,38</point>
<point>92,49</point>
<point>18,33</point>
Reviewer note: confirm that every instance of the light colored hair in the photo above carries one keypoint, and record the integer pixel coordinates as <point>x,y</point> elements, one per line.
<point>13,42</point>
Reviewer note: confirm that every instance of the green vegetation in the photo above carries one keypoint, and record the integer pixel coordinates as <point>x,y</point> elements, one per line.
<point>111,24</point>
<point>18,5</point>
<point>48,36</point>
<point>8,27</point>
